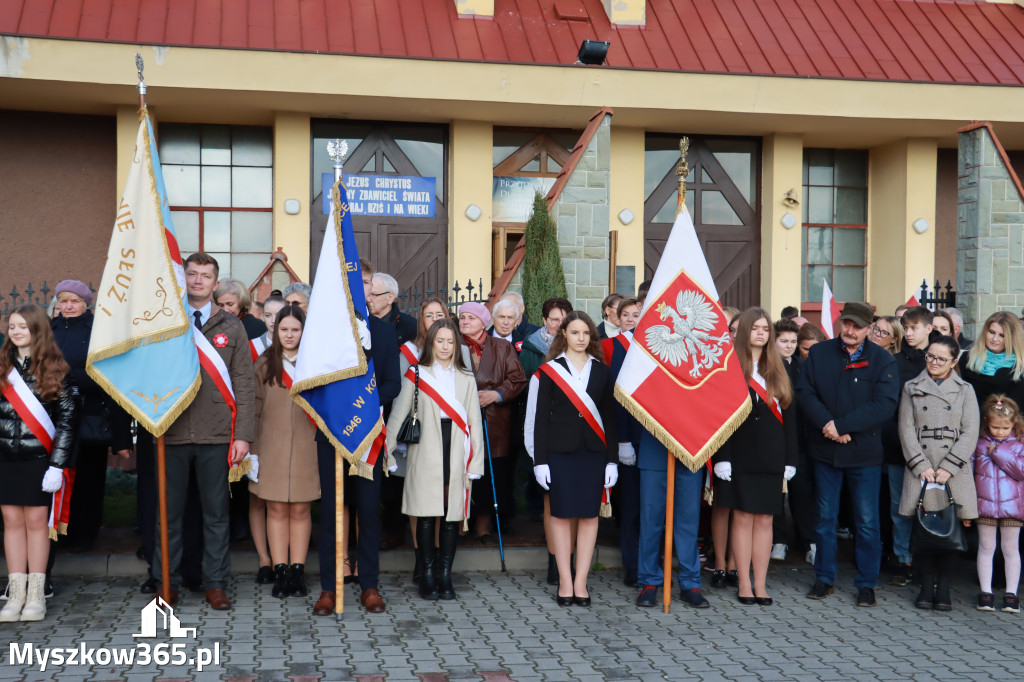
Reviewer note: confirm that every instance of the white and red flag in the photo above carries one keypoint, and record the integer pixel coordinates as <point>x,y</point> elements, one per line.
<point>681,378</point>
<point>830,311</point>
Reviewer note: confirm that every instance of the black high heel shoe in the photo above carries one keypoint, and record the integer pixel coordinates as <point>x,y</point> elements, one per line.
<point>581,601</point>
<point>746,601</point>
<point>764,601</point>
<point>563,601</point>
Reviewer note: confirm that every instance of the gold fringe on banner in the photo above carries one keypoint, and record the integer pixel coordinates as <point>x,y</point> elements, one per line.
<point>239,471</point>
<point>606,510</point>
<point>692,461</point>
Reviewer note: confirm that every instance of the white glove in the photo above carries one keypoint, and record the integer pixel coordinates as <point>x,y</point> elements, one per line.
<point>402,449</point>
<point>627,455</point>
<point>52,480</point>
<point>392,465</point>
<point>254,473</point>
<point>724,470</point>
<point>473,477</point>
<point>364,334</point>
<point>542,472</point>
<point>790,473</point>
<point>611,474</point>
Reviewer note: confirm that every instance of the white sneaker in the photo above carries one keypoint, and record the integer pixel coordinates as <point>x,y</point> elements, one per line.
<point>779,552</point>
<point>811,554</point>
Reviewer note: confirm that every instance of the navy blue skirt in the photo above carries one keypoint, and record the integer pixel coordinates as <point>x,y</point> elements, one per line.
<point>577,481</point>
<point>21,483</point>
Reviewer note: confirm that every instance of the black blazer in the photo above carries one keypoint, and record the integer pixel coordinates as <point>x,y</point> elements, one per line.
<point>559,426</point>
<point>761,445</point>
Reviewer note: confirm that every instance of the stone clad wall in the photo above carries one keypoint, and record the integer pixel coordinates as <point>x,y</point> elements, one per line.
<point>582,215</point>
<point>990,232</point>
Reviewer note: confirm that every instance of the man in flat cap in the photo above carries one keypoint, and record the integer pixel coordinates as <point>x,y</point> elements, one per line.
<point>847,390</point>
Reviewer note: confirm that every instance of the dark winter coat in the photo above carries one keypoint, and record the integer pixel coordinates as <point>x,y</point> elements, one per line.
<point>500,371</point>
<point>999,478</point>
<point>909,364</point>
<point>404,325</point>
<point>860,397</point>
<point>254,327</point>
<point>19,444</point>
<point>1001,382</point>
<point>72,336</point>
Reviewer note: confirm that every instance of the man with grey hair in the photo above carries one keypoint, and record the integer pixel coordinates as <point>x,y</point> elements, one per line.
<point>521,327</point>
<point>958,325</point>
<point>381,303</point>
<point>298,293</point>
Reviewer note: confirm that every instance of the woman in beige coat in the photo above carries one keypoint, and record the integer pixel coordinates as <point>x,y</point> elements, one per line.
<point>939,430</point>
<point>440,470</point>
<point>288,478</point>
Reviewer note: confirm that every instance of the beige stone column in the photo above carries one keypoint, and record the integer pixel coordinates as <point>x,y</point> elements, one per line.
<point>470,182</point>
<point>781,264</point>
<point>291,181</point>
<point>901,190</point>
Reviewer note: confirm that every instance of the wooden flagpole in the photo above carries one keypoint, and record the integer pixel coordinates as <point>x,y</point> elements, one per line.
<point>161,445</point>
<point>670,499</point>
<point>339,536</point>
<point>165,559</point>
<point>670,489</point>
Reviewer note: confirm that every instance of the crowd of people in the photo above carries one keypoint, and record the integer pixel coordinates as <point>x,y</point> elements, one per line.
<point>858,434</point>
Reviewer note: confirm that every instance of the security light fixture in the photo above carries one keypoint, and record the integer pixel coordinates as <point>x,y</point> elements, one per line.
<point>593,52</point>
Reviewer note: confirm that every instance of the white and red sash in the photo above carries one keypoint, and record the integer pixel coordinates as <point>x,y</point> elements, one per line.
<point>577,395</point>
<point>411,353</point>
<point>213,363</point>
<point>257,347</point>
<point>454,410</point>
<point>287,378</point>
<point>32,412</point>
<point>759,387</point>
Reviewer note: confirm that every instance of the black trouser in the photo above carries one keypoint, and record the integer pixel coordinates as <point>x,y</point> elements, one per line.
<point>504,471</point>
<point>935,570</point>
<point>362,496</point>
<point>146,511</point>
<point>207,466</point>
<point>802,507</point>
<point>628,512</point>
<point>392,520</point>
<point>87,495</point>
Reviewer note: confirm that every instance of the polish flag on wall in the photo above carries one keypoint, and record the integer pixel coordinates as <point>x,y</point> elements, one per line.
<point>829,310</point>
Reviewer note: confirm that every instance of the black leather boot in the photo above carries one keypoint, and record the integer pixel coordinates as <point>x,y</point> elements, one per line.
<point>281,574</point>
<point>417,571</point>
<point>425,540</point>
<point>449,540</point>
<point>297,581</point>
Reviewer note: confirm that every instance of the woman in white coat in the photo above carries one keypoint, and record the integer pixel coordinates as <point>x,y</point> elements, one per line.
<point>450,454</point>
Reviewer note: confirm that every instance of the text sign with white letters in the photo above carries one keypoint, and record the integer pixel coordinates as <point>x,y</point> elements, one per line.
<point>396,196</point>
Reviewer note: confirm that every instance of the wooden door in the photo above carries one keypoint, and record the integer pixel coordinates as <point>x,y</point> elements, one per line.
<point>733,251</point>
<point>412,250</point>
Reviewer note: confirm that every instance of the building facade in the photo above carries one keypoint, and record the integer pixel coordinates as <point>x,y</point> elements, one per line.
<point>821,133</point>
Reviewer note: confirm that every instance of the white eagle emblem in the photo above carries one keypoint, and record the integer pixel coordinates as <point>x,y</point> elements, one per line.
<point>688,337</point>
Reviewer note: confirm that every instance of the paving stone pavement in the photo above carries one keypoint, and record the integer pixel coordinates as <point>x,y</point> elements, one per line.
<point>507,627</point>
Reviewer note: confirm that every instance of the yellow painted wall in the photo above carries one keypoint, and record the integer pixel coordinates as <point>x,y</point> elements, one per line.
<point>627,191</point>
<point>901,189</point>
<point>781,171</point>
<point>626,12</point>
<point>481,8</point>
<point>127,131</point>
<point>470,182</point>
<point>291,181</point>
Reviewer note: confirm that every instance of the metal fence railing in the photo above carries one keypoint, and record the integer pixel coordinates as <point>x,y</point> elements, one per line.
<point>409,301</point>
<point>940,297</point>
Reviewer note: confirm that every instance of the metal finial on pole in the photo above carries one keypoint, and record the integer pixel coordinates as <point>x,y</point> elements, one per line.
<point>139,66</point>
<point>682,171</point>
<point>337,150</point>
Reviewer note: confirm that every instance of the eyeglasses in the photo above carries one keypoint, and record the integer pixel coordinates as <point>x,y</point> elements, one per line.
<point>935,359</point>
<point>878,331</point>
<point>379,293</point>
<point>434,316</point>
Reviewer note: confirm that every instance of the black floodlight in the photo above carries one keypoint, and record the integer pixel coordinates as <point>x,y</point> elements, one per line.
<point>593,52</point>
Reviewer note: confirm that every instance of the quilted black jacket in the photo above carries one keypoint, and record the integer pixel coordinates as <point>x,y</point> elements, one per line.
<point>18,444</point>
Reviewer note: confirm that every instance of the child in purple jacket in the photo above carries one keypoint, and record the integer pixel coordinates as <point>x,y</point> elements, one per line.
<point>999,477</point>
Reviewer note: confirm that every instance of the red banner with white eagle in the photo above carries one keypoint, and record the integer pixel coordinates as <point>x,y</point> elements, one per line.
<point>681,378</point>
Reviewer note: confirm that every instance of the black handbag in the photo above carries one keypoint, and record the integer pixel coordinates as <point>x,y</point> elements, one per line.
<point>409,433</point>
<point>939,531</point>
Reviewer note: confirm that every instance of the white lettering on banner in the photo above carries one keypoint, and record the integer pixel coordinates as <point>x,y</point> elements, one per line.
<point>385,195</point>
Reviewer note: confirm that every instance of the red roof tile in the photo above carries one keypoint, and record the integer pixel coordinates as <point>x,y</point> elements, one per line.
<point>945,41</point>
